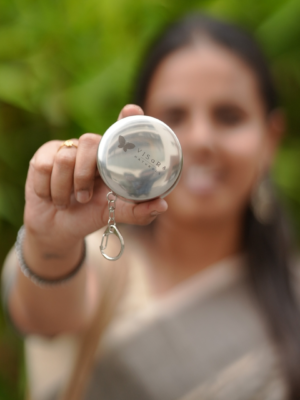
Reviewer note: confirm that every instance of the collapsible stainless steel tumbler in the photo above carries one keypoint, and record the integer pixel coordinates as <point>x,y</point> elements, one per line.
<point>140,158</point>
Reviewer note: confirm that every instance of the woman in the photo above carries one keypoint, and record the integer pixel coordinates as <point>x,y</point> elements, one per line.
<point>201,305</point>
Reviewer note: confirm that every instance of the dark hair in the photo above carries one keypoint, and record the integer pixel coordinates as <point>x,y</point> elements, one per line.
<point>186,31</point>
<point>268,246</point>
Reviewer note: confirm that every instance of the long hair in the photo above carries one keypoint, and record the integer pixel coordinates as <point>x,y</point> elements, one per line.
<point>268,246</point>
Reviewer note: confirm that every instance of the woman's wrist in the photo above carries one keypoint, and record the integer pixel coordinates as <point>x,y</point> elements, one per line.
<point>51,258</point>
<point>38,279</point>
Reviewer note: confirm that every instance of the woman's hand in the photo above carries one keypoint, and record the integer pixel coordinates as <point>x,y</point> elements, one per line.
<point>66,198</point>
<point>65,201</point>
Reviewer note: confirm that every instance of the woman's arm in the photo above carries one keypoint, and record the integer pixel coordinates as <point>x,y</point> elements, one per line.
<point>52,309</point>
<point>65,202</point>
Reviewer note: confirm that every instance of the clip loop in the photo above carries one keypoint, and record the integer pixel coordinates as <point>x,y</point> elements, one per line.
<point>111,228</point>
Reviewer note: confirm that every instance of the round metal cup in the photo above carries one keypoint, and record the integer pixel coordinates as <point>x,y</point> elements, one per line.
<point>140,158</point>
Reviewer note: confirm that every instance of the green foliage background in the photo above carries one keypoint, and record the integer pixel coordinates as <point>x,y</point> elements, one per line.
<point>68,66</point>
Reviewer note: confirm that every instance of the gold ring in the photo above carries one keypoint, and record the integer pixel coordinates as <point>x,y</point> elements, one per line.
<point>67,143</point>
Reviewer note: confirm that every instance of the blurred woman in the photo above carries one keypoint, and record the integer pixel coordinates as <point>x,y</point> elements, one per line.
<point>201,305</point>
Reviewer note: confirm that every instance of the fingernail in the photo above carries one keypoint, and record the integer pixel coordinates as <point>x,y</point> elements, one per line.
<point>164,205</point>
<point>154,214</point>
<point>83,196</point>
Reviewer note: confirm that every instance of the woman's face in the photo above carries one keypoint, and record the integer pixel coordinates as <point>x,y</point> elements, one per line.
<point>211,100</point>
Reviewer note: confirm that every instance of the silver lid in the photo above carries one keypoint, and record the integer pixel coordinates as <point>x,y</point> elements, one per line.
<point>140,158</point>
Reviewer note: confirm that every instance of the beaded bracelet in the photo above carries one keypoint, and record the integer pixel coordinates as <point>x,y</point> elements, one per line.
<point>36,279</point>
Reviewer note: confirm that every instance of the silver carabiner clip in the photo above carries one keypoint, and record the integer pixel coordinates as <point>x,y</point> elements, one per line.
<point>111,230</point>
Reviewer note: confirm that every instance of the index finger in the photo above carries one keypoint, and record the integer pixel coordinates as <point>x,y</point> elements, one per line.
<point>42,166</point>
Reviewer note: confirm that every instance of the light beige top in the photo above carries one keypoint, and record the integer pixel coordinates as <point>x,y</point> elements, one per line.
<point>205,339</point>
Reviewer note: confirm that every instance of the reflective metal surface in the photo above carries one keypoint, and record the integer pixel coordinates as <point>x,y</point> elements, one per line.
<point>140,158</point>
